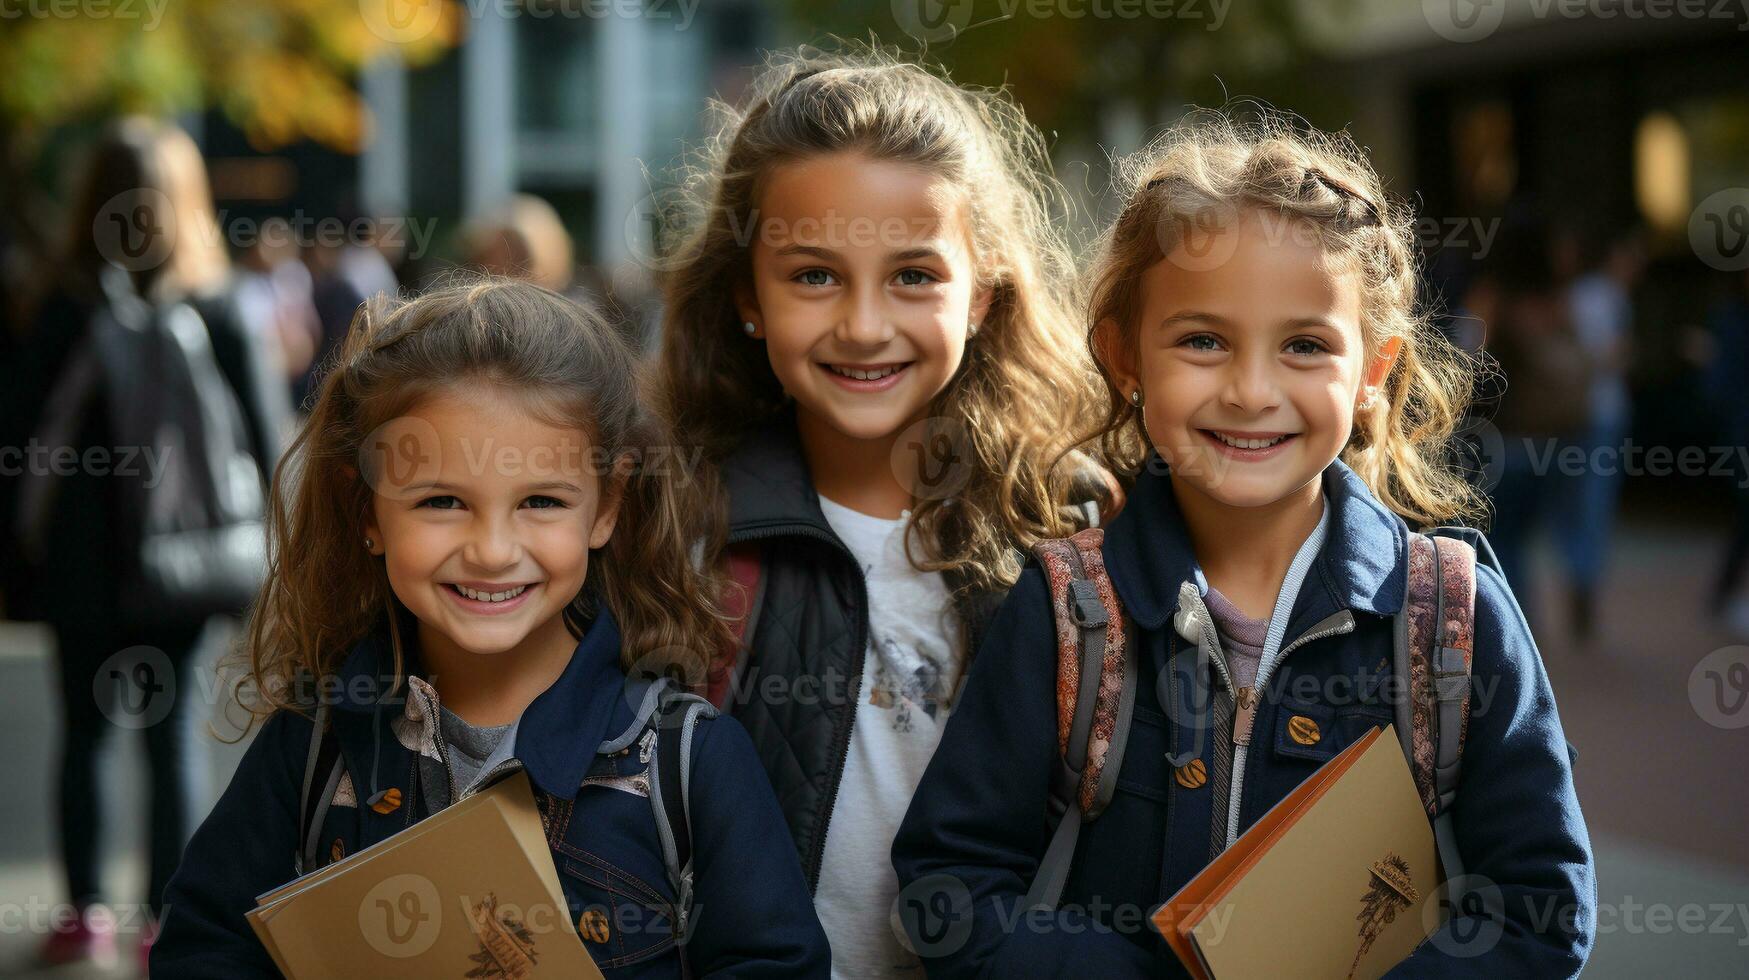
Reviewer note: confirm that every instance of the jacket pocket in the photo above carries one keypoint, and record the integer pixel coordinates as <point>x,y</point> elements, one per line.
<point>1317,732</point>
<point>621,918</point>
<point>1144,769</point>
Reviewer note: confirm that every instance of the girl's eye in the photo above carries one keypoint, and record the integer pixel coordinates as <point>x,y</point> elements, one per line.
<point>814,277</point>
<point>1305,346</point>
<point>1201,342</point>
<point>916,277</point>
<point>544,503</point>
<point>441,503</point>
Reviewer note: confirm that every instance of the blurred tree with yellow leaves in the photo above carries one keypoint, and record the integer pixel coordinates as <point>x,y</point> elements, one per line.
<point>280,71</point>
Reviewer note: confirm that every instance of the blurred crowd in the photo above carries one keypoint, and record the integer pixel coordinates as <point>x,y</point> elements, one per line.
<point>1558,313</point>
<point>150,381</point>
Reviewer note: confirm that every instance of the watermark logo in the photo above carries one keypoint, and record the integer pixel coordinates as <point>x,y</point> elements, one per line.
<point>643,228</point>
<point>1465,917</point>
<point>933,20</point>
<point>401,916</point>
<point>135,688</point>
<point>1203,241</point>
<point>934,457</point>
<point>1475,20</point>
<point>135,229</point>
<point>1718,230</point>
<point>399,455</point>
<point>1463,21</point>
<point>1718,688</point>
<point>401,21</point>
<point>933,915</point>
<point>1481,451</point>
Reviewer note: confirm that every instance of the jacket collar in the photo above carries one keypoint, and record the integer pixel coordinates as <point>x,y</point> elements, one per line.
<point>1361,567</point>
<point>557,734</point>
<point>767,482</point>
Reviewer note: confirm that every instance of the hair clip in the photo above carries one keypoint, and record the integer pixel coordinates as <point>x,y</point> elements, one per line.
<point>1343,191</point>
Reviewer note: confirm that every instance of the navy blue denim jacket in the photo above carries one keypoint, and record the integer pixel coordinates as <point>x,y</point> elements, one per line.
<point>752,915</point>
<point>976,830</point>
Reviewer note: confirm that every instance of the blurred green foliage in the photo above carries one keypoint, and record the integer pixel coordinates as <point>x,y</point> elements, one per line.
<point>1069,62</point>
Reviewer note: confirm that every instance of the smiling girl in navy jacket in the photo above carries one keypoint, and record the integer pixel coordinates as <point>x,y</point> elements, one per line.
<point>476,549</point>
<point>1288,414</point>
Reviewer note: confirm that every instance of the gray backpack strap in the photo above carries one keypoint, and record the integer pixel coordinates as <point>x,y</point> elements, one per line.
<point>1090,511</point>
<point>1082,594</point>
<point>323,762</point>
<point>674,721</point>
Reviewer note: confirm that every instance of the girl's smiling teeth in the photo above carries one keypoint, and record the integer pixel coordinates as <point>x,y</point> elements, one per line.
<point>873,372</point>
<point>481,595</point>
<point>1253,441</point>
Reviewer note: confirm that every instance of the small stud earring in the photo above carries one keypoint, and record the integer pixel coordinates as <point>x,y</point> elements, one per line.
<point>369,545</point>
<point>1136,398</point>
<point>749,329</point>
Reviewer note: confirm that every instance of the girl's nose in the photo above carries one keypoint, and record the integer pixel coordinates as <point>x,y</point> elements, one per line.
<point>1251,385</point>
<point>865,323</point>
<point>492,545</point>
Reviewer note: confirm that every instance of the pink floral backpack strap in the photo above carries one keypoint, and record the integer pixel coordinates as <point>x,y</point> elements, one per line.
<point>1096,683</point>
<point>1435,651</point>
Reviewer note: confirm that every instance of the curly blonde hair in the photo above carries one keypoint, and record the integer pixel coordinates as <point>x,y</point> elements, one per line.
<point>1212,165</point>
<point>323,592</point>
<point>1025,371</point>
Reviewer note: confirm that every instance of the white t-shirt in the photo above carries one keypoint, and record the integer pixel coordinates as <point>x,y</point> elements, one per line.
<point>913,661</point>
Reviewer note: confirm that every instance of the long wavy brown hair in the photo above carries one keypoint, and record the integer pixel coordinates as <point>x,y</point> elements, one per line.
<point>1212,165</point>
<point>1025,372</point>
<point>324,592</point>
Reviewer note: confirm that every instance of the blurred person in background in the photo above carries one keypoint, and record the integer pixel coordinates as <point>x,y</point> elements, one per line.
<point>526,239</point>
<point>1727,386</point>
<point>1545,403</point>
<point>79,531</point>
<point>344,275</point>
<point>523,239</point>
<point>278,300</point>
<point>1601,304</point>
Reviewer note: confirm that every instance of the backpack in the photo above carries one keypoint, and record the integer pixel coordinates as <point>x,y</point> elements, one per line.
<point>192,541</point>
<point>741,606</point>
<point>1096,685</point>
<point>670,711</point>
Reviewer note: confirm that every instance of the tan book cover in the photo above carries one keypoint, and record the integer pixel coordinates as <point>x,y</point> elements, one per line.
<point>1334,881</point>
<point>469,892</point>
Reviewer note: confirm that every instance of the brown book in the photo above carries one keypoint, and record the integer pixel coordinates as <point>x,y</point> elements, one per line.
<point>470,891</point>
<point>1336,880</point>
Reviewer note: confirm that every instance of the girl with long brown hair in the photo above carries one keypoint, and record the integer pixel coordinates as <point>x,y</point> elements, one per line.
<point>870,334</point>
<point>476,553</point>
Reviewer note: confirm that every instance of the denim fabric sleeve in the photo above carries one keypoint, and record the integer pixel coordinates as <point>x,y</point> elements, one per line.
<point>243,848</point>
<point>1519,831</point>
<point>752,913</point>
<point>973,838</point>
